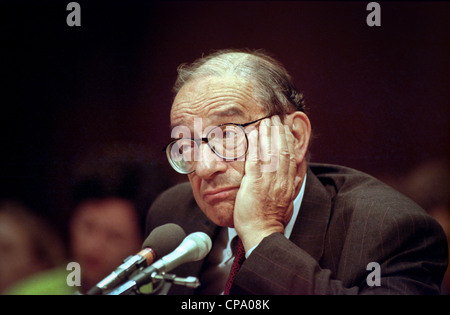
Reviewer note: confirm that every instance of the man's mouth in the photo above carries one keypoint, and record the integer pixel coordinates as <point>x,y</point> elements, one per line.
<point>218,194</point>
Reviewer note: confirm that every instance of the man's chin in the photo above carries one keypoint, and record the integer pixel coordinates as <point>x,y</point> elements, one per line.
<point>221,216</point>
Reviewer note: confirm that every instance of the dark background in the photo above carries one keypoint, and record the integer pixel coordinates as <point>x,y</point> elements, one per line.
<point>378,97</point>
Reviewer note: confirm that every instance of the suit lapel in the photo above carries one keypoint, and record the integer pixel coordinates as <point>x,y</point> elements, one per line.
<point>312,220</point>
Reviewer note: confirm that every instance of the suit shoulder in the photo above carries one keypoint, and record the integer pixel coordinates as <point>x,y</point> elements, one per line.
<point>353,190</point>
<point>171,206</point>
<point>181,191</point>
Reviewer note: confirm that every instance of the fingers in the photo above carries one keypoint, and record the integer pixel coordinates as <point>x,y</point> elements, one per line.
<point>268,146</point>
<point>276,148</point>
<point>253,163</point>
<point>292,161</point>
<point>283,154</point>
<point>271,149</point>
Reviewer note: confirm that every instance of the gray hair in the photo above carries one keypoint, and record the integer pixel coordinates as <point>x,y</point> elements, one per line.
<point>273,85</point>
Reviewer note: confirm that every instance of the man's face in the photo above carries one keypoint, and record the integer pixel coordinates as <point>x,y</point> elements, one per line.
<point>215,101</point>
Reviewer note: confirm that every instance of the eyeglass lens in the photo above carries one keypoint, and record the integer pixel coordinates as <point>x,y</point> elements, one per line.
<point>227,141</point>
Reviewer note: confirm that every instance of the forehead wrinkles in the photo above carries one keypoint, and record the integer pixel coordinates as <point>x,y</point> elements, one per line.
<point>204,99</point>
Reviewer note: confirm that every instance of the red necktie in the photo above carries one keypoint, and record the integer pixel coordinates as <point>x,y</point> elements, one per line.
<point>239,258</point>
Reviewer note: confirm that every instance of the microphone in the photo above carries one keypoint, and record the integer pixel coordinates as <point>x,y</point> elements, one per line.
<point>194,247</point>
<point>161,241</point>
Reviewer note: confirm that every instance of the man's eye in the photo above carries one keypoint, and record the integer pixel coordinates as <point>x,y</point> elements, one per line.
<point>229,134</point>
<point>186,147</point>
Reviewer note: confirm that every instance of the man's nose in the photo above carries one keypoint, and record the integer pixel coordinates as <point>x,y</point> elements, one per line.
<point>208,164</point>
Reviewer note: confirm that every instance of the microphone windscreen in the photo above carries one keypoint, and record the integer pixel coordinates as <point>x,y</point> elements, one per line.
<point>165,239</point>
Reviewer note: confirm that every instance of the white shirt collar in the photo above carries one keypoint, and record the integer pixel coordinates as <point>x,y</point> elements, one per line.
<point>297,203</point>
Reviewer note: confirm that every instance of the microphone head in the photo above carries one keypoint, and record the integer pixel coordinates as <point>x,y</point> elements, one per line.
<point>164,239</point>
<point>195,246</point>
<point>202,243</point>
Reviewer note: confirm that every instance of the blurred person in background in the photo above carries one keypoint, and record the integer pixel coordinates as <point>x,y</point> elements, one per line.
<point>112,189</point>
<point>28,245</point>
<point>428,184</point>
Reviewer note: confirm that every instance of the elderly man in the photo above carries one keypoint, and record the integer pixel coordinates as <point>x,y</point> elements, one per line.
<point>241,135</point>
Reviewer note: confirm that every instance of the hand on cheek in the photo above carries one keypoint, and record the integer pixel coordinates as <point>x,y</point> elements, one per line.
<point>264,202</point>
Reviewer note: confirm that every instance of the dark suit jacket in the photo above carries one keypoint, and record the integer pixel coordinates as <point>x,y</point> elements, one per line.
<point>347,219</point>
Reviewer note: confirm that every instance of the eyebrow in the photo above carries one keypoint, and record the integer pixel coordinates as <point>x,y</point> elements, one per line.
<point>229,111</point>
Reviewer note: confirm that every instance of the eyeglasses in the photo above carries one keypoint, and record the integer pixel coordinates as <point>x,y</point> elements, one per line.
<point>228,141</point>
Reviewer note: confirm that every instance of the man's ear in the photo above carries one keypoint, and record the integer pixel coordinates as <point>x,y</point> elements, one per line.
<point>301,129</point>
